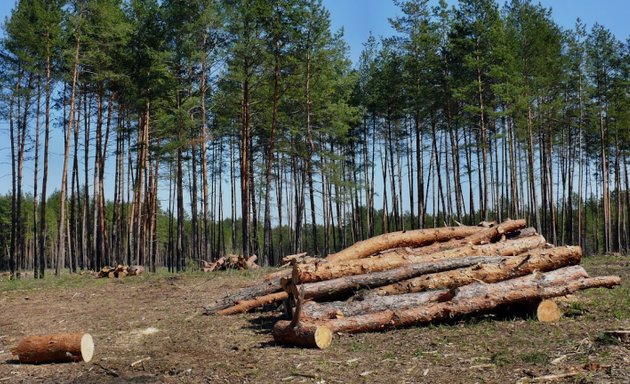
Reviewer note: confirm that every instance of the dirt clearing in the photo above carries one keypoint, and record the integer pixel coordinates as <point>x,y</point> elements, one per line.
<point>150,329</point>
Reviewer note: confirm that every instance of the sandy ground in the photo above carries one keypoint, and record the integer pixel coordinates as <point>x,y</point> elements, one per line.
<point>150,329</point>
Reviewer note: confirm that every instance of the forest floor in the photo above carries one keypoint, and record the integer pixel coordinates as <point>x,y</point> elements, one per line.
<point>150,329</point>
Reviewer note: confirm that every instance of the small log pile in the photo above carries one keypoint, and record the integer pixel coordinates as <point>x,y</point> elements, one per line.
<point>415,277</point>
<point>120,271</point>
<point>230,262</point>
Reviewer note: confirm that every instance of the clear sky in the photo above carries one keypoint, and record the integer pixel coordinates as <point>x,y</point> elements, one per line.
<point>358,18</point>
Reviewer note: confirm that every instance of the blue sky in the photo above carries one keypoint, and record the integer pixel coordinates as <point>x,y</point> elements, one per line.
<point>358,18</point>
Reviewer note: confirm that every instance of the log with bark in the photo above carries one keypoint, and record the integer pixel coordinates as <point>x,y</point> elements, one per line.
<point>469,299</point>
<point>300,334</point>
<point>487,235</point>
<point>506,268</point>
<point>244,294</point>
<point>59,348</point>
<point>343,284</point>
<point>413,238</point>
<point>326,270</point>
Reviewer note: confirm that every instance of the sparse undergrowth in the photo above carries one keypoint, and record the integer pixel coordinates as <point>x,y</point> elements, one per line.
<point>189,347</point>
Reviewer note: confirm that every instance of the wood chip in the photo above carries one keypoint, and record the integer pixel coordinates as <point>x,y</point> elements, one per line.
<point>140,361</point>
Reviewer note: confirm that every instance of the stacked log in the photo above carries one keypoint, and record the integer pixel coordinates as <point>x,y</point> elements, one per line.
<point>415,277</point>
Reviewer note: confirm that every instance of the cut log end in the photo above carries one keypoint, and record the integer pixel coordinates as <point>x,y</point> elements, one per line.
<point>87,347</point>
<point>548,312</point>
<point>302,335</point>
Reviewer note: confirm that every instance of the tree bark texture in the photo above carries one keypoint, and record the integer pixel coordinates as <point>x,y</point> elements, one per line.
<point>415,238</point>
<point>473,298</point>
<point>542,260</point>
<point>326,270</point>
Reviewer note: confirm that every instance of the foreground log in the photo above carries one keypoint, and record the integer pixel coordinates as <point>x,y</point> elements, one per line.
<point>413,238</point>
<point>326,270</point>
<point>541,260</point>
<point>480,297</point>
<point>59,348</point>
<point>371,280</point>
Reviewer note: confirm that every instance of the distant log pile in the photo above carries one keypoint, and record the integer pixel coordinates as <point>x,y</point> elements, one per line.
<point>120,271</point>
<point>230,262</point>
<point>415,277</point>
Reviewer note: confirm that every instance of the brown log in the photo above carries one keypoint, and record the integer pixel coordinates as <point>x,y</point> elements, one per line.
<point>257,302</point>
<point>297,333</point>
<point>470,299</point>
<point>506,268</point>
<point>302,335</point>
<point>413,238</point>
<point>248,293</point>
<point>548,311</point>
<point>479,297</point>
<point>59,348</point>
<point>370,304</point>
<point>326,270</point>
<point>371,280</point>
<point>481,237</point>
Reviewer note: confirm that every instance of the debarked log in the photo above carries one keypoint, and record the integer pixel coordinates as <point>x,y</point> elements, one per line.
<point>541,260</point>
<point>326,270</point>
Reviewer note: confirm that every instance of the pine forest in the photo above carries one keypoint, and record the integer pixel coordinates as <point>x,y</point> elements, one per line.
<point>191,129</point>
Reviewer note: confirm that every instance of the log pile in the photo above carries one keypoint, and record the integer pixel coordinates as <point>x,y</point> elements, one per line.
<point>415,277</point>
<point>229,262</point>
<point>120,271</point>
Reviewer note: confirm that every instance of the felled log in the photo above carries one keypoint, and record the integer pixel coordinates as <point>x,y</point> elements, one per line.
<point>506,268</point>
<point>476,298</point>
<point>59,348</point>
<point>484,236</point>
<point>326,270</point>
<point>301,334</point>
<point>369,304</point>
<point>370,280</point>
<point>473,298</point>
<point>414,238</point>
<point>248,293</point>
<point>257,302</point>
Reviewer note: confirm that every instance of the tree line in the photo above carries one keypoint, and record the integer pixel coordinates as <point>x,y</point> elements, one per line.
<point>192,129</point>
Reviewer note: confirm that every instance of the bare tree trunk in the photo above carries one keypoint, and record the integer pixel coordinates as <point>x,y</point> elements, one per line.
<point>64,175</point>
